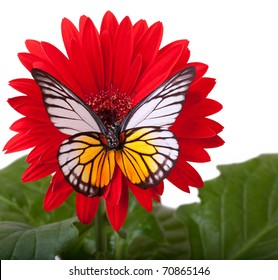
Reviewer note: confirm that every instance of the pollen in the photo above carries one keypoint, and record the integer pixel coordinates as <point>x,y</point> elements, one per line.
<point>110,106</point>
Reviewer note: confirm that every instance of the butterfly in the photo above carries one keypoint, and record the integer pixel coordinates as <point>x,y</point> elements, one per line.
<point>142,145</point>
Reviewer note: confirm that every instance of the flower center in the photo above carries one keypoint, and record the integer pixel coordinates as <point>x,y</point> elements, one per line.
<point>110,106</point>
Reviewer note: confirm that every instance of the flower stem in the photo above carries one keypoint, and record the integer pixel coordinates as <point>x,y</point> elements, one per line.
<point>100,232</point>
<point>117,246</point>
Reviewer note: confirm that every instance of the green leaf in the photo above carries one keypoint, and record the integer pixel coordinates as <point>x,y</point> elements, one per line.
<point>22,242</point>
<point>22,202</point>
<point>176,245</point>
<point>238,214</point>
<point>156,235</point>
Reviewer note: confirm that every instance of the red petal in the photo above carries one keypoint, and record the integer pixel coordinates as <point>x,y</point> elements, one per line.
<point>205,108</point>
<point>183,175</point>
<point>25,124</point>
<point>117,214</point>
<point>213,125</point>
<point>156,74</point>
<point>69,32</point>
<point>201,69</point>
<point>191,151</point>
<point>158,189</point>
<point>122,52</point>
<point>211,142</point>
<point>59,184</point>
<point>35,48</point>
<point>115,189</point>
<point>199,90</point>
<point>82,22</point>
<point>82,71</point>
<point>86,208</point>
<point>44,152</point>
<point>192,128</point>
<point>107,59</point>
<point>149,44</point>
<point>21,141</point>
<point>93,53</point>
<point>63,71</point>
<point>144,197</point>
<point>28,87</point>
<point>183,58</point>
<point>39,170</point>
<point>28,60</point>
<point>181,63</point>
<point>109,23</point>
<point>57,192</point>
<point>132,76</point>
<point>139,29</point>
<point>29,107</point>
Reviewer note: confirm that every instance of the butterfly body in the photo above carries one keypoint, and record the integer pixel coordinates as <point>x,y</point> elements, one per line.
<point>112,137</point>
<point>142,145</point>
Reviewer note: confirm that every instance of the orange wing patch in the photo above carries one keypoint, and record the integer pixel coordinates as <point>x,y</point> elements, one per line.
<point>86,164</point>
<point>147,156</point>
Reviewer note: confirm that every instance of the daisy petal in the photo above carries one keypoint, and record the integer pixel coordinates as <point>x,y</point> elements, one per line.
<point>92,52</point>
<point>86,208</point>
<point>39,170</point>
<point>123,47</point>
<point>110,24</point>
<point>185,175</point>
<point>157,73</point>
<point>144,197</point>
<point>57,193</point>
<point>113,195</point>
<point>117,214</point>
<point>149,51</point>
<point>28,87</point>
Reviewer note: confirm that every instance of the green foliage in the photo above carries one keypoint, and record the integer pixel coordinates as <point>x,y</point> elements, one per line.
<point>238,214</point>
<point>20,241</point>
<point>22,202</point>
<point>237,218</point>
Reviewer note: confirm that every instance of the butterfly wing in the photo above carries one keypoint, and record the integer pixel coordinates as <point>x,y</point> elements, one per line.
<point>148,155</point>
<point>162,106</point>
<point>69,113</point>
<point>86,164</point>
<point>149,150</point>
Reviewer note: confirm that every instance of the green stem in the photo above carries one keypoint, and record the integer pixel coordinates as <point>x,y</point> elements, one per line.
<point>117,246</point>
<point>100,232</point>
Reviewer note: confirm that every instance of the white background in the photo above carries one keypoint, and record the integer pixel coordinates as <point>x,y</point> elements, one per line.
<point>237,39</point>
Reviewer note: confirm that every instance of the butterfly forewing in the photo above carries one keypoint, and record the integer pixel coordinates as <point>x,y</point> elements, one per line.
<point>162,106</point>
<point>69,113</point>
<point>148,155</point>
<point>86,164</point>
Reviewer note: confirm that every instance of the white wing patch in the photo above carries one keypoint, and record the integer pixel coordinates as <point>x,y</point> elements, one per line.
<point>162,106</point>
<point>69,113</point>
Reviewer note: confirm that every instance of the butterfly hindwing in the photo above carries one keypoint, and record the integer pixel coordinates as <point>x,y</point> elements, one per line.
<point>86,164</point>
<point>69,113</point>
<point>148,155</point>
<point>162,106</point>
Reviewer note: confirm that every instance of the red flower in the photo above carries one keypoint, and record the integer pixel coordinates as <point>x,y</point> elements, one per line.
<point>124,61</point>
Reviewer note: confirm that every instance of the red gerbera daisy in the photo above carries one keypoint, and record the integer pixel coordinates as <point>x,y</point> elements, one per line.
<point>110,71</point>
